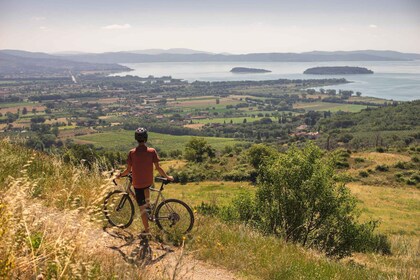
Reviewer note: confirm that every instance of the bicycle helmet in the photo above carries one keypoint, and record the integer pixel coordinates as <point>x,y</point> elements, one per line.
<point>141,134</point>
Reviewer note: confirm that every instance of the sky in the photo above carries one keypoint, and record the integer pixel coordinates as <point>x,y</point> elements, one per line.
<point>233,26</point>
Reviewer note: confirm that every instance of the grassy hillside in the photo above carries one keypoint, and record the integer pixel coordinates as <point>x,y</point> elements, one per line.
<point>51,191</point>
<point>390,126</point>
<point>404,116</point>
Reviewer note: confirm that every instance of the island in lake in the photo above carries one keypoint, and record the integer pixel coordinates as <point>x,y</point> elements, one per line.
<point>337,70</point>
<point>248,70</point>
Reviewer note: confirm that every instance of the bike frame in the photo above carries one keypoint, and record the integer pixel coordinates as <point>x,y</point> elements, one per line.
<point>129,190</point>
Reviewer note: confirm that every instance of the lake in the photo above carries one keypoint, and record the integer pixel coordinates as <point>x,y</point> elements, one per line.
<point>397,80</point>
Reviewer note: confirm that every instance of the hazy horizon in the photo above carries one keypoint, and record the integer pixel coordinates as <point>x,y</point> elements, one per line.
<point>216,26</point>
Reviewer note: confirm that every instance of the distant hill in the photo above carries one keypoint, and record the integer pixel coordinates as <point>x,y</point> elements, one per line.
<point>168,51</point>
<point>337,70</point>
<point>21,62</point>
<point>248,70</point>
<point>180,55</point>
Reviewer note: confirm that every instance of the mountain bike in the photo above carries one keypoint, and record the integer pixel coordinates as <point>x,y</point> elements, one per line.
<point>170,215</point>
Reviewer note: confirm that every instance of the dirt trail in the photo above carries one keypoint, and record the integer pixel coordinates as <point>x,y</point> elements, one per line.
<point>122,247</point>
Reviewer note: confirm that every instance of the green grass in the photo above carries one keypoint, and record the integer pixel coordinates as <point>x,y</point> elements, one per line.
<point>16,104</point>
<point>220,193</point>
<point>227,120</point>
<point>123,140</point>
<point>326,106</point>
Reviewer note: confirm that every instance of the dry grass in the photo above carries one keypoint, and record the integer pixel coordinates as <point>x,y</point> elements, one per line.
<point>256,256</point>
<point>382,158</point>
<point>39,241</point>
<point>50,226</point>
<point>194,125</point>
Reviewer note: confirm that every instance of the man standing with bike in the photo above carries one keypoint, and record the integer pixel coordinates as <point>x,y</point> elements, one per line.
<point>140,163</point>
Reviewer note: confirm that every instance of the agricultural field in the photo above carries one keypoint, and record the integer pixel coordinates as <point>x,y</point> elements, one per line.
<point>123,141</point>
<point>230,120</point>
<point>205,102</point>
<point>326,106</point>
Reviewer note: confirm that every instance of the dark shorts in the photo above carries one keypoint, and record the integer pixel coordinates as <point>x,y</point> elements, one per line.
<point>140,196</point>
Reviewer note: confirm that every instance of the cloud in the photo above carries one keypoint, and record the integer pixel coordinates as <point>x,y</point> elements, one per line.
<point>39,18</point>
<point>117,26</point>
<point>43,28</point>
<point>373,26</point>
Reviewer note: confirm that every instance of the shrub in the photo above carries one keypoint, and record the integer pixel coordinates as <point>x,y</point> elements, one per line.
<point>208,209</point>
<point>400,165</point>
<point>341,158</point>
<point>197,150</point>
<point>363,174</point>
<point>343,177</point>
<point>175,153</point>
<point>359,160</point>
<point>380,149</point>
<point>258,153</point>
<point>298,199</point>
<point>382,168</point>
<point>236,175</point>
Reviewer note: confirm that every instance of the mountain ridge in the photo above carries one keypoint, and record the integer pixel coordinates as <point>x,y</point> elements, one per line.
<point>28,63</point>
<point>129,57</point>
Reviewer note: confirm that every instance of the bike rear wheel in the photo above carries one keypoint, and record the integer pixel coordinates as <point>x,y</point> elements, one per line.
<point>174,216</point>
<point>119,209</point>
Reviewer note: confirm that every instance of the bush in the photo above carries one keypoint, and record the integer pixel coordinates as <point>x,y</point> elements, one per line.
<point>382,168</point>
<point>359,160</point>
<point>298,199</point>
<point>197,150</point>
<point>258,153</point>
<point>208,209</point>
<point>236,175</point>
<point>341,158</point>
<point>363,174</point>
<point>380,150</point>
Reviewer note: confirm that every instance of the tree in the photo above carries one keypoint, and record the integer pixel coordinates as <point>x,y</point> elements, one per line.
<point>197,150</point>
<point>24,111</point>
<point>258,153</point>
<point>358,93</point>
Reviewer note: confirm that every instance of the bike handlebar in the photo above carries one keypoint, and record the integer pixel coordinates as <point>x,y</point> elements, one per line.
<point>164,180</point>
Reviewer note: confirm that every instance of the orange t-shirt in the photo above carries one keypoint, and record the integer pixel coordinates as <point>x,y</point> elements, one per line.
<point>141,160</point>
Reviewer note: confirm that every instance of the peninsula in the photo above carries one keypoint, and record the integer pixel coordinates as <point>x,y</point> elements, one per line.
<point>337,70</point>
<point>248,70</point>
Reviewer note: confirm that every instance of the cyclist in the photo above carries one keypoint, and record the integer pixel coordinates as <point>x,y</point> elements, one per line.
<point>140,163</point>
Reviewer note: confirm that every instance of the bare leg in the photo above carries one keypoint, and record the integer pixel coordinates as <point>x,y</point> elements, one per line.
<point>144,218</point>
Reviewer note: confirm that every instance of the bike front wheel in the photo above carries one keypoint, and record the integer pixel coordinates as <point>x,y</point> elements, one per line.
<point>119,209</point>
<point>174,216</point>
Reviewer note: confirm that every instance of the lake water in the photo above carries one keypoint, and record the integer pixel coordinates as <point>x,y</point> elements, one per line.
<point>397,80</point>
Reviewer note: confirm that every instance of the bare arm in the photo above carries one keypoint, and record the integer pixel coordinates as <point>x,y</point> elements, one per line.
<point>125,172</point>
<point>162,172</point>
